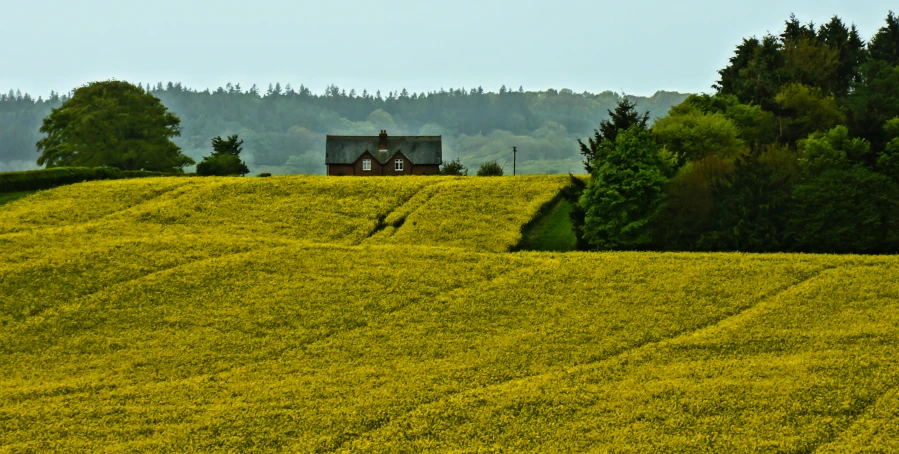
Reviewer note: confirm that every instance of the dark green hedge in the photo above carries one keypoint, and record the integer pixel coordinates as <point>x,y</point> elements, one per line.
<point>31,180</point>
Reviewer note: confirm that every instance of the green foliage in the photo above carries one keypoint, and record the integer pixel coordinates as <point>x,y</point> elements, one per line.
<point>874,101</point>
<point>231,145</point>
<point>31,180</point>
<point>754,125</point>
<point>809,61</point>
<point>222,165</point>
<point>554,232</point>
<point>831,150</point>
<point>888,160</point>
<point>623,118</point>
<point>892,128</point>
<point>687,212</point>
<point>490,169</point>
<point>815,107</point>
<point>6,197</point>
<point>851,50</point>
<point>757,127</point>
<point>806,110</point>
<point>264,174</point>
<point>624,193</point>
<point>844,210</point>
<point>692,135</point>
<point>453,167</point>
<point>225,158</point>
<point>884,45</point>
<point>760,75</point>
<point>114,124</point>
<point>750,211</point>
<point>572,193</point>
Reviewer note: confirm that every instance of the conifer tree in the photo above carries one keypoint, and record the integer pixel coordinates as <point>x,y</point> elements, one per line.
<point>623,118</point>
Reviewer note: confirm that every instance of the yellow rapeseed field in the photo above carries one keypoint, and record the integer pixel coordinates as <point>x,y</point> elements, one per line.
<point>183,315</point>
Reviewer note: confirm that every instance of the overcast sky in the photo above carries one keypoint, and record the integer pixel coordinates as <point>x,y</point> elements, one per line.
<point>637,46</point>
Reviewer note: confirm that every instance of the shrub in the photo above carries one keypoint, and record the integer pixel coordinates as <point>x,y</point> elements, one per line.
<point>454,167</point>
<point>264,174</point>
<point>222,165</point>
<point>225,158</point>
<point>490,169</point>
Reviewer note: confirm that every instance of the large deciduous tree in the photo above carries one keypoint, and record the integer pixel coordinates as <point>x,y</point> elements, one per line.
<point>115,124</point>
<point>693,135</point>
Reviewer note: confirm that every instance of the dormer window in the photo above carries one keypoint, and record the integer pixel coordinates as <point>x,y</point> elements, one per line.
<point>366,165</point>
<point>398,165</point>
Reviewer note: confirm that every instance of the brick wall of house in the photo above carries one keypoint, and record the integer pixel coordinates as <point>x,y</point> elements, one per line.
<point>376,168</point>
<point>426,169</point>
<point>391,165</point>
<point>341,169</point>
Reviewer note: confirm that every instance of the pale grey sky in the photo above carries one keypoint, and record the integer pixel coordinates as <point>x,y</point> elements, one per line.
<point>637,46</point>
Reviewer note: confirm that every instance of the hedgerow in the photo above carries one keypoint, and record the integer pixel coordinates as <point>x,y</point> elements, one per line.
<point>30,180</point>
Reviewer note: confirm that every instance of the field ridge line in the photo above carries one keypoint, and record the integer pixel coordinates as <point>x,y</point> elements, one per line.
<point>674,337</point>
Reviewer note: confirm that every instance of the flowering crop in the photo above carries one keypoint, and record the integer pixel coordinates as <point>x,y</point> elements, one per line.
<point>190,318</point>
<point>485,214</point>
<point>442,211</point>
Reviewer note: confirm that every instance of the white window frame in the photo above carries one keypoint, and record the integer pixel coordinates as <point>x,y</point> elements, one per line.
<point>366,165</point>
<point>398,165</point>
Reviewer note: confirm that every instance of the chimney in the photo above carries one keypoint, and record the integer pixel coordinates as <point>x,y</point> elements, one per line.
<point>382,143</point>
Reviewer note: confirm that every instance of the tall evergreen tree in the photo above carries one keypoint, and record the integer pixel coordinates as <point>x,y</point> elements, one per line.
<point>851,50</point>
<point>624,117</point>
<point>884,45</point>
<point>225,158</point>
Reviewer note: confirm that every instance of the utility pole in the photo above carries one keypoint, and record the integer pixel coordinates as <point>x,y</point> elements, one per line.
<point>514,155</point>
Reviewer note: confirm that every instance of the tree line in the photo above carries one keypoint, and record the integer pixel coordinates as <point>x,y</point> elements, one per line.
<point>797,150</point>
<point>284,128</point>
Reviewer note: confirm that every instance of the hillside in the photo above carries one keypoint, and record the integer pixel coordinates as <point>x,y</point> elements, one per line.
<point>316,209</point>
<point>299,314</point>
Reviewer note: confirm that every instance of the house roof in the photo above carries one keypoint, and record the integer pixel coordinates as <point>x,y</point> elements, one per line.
<point>419,149</point>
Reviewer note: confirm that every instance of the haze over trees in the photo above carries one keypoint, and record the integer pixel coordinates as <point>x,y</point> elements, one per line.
<point>796,151</point>
<point>284,127</point>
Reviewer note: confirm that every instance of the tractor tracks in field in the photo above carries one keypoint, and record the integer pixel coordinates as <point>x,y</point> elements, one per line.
<point>744,313</point>
<point>429,190</point>
<point>868,406</point>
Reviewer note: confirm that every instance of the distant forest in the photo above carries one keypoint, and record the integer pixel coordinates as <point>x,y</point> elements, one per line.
<point>284,128</point>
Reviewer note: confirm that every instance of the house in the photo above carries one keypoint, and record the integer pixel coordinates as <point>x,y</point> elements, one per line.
<point>383,155</point>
